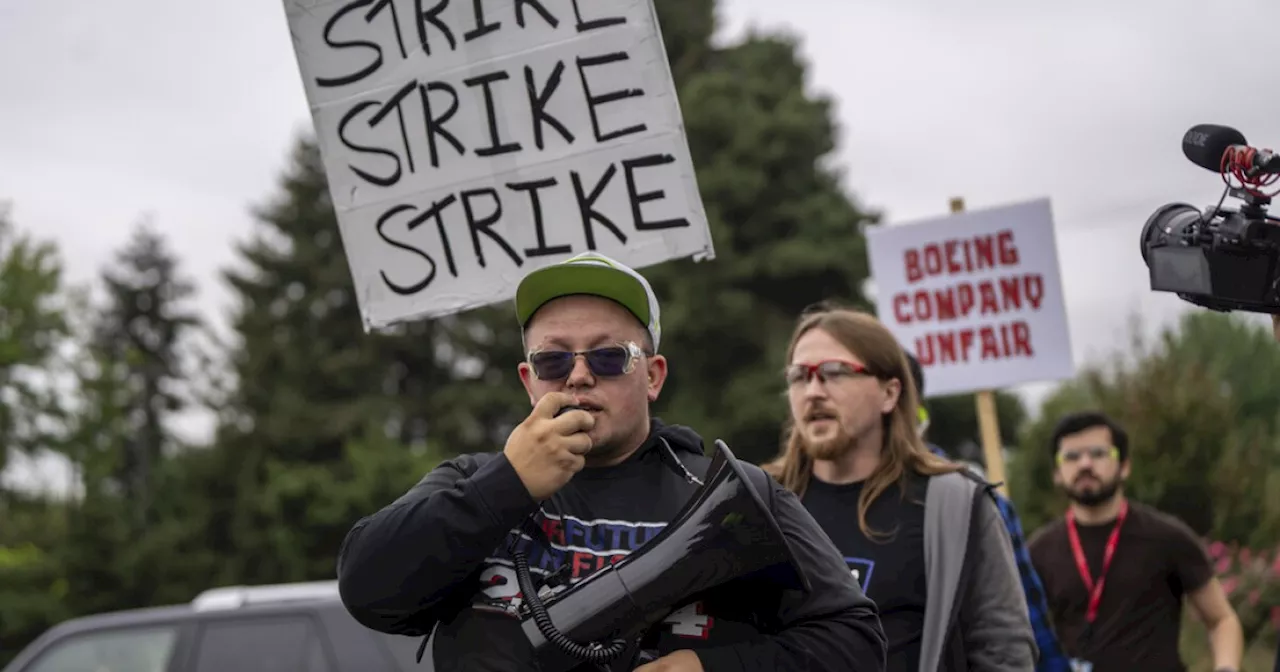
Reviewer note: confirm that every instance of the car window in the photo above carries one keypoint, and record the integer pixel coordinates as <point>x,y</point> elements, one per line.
<point>267,644</point>
<point>120,650</point>
<point>317,657</point>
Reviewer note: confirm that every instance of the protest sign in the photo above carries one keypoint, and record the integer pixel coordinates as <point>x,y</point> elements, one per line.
<point>976,296</point>
<point>468,142</point>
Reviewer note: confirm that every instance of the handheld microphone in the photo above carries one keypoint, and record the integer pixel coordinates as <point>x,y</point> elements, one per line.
<point>1206,144</point>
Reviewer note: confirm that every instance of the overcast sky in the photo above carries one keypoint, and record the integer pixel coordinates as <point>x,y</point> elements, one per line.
<point>183,111</point>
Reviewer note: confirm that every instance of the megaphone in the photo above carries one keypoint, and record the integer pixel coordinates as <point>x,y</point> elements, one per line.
<point>725,533</point>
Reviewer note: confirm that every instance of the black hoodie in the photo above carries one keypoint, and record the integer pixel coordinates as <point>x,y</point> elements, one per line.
<point>440,554</point>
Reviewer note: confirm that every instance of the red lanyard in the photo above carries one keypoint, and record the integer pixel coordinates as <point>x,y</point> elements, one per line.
<point>1095,589</point>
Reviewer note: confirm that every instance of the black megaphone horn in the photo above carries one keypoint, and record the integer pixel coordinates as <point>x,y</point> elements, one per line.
<point>724,533</point>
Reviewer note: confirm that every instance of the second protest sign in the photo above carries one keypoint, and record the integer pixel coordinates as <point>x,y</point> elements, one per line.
<point>976,296</point>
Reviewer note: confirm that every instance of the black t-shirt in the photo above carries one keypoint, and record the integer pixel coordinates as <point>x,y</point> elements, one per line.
<point>889,566</point>
<point>1158,560</point>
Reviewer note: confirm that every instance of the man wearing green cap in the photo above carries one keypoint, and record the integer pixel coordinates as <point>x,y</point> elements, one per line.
<point>586,479</point>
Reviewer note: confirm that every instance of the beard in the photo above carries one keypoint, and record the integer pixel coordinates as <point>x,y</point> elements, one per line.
<point>831,446</point>
<point>1094,495</point>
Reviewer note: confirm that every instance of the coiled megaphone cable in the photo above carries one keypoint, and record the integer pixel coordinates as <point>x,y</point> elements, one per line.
<point>594,652</point>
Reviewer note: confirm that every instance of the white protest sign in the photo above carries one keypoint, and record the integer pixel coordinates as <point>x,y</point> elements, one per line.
<point>976,296</point>
<point>470,142</point>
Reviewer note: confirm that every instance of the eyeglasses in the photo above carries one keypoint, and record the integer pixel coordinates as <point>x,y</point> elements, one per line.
<point>606,362</point>
<point>831,369</point>
<point>1095,453</point>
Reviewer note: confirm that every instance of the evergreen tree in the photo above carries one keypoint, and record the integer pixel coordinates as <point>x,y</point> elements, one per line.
<point>32,589</point>
<point>132,381</point>
<point>327,423</point>
<point>786,233</point>
<point>33,325</point>
<point>139,339</point>
<point>953,423</point>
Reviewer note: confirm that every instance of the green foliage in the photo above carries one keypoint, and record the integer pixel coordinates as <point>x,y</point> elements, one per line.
<point>1259,654</point>
<point>786,236</point>
<point>33,589</point>
<point>953,423</point>
<point>687,29</point>
<point>1199,407</point>
<point>131,382</point>
<point>133,371</point>
<point>33,327</point>
<point>1202,436</point>
<point>324,423</point>
<point>33,324</point>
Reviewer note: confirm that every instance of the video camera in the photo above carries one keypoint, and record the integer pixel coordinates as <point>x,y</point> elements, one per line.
<point>1220,259</point>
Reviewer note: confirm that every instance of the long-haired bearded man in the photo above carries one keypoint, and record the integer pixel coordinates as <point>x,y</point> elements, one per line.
<point>922,534</point>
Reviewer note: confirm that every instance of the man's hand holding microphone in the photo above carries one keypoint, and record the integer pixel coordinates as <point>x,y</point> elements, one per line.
<point>550,446</point>
<point>546,450</point>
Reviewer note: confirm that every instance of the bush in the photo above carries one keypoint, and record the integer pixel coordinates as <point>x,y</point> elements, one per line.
<point>1251,580</point>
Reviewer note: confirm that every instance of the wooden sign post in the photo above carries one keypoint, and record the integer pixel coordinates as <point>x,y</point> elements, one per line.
<point>988,418</point>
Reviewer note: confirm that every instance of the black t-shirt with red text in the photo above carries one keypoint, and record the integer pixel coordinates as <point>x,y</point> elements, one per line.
<point>439,561</point>
<point>604,527</point>
<point>1158,560</point>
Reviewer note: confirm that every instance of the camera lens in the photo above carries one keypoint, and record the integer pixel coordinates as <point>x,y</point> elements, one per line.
<point>1172,224</point>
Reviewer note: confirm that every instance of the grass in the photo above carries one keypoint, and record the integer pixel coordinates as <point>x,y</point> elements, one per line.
<point>1259,656</point>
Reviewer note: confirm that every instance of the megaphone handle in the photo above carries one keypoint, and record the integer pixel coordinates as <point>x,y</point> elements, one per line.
<point>646,648</point>
<point>644,656</point>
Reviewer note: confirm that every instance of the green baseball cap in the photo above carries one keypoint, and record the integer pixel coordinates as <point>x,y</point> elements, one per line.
<point>592,274</point>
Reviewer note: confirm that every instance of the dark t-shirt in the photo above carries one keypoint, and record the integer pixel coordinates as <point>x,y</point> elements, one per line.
<point>890,568</point>
<point>1158,560</point>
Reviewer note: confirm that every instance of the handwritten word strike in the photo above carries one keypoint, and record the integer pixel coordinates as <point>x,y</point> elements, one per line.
<point>428,25</point>
<point>428,117</point>
<point>472,214</point>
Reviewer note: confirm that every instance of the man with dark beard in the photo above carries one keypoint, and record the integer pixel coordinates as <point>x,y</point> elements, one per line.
<point>1115,571</point>
<point>921,534</point>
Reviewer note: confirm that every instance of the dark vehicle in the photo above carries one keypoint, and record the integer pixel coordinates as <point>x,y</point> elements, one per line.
<point>299,627</point>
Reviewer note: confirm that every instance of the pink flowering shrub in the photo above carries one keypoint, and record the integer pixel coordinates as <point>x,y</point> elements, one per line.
<point>1251,580</point>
